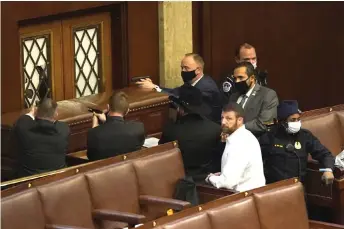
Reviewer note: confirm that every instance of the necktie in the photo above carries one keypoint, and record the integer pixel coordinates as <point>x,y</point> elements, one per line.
<point>244,97</point>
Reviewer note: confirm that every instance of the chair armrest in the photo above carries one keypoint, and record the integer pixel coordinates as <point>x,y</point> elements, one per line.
<point>112,215</point>
<point>58,226</point>
<point>211,189</point>
<point>338,172</point>
<point>313,224</point>
<point>169,203</point>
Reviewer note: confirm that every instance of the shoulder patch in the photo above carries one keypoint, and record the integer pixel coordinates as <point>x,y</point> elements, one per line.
<point>226,86</point>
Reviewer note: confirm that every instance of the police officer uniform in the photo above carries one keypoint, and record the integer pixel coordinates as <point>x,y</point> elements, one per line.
<point>285,155</point>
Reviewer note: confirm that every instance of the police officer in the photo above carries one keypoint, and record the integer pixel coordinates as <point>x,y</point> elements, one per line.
<point>285,148</point>
<point>244,53</point>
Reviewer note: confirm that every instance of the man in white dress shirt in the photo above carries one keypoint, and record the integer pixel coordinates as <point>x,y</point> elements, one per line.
<point>241,164</point>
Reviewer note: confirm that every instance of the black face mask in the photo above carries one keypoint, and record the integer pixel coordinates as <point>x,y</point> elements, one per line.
<point>188,76</point>
<point>242,87</point>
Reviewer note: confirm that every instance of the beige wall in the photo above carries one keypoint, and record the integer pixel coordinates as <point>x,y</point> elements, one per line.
<point>175,40</point>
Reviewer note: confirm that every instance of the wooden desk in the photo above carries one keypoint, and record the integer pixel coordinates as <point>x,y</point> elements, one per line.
<point>147,106</point>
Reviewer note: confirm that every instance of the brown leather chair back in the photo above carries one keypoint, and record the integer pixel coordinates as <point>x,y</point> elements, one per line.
<point>67,202</point>
<point>22,210</point>
<point>237,209</point>
<point>21,184</point>
<point>340,115</point>
<point>154,182</point>
<point>115,188</point>
<point>327,129</point>
<point>196,221</point>
<point>282,208</point>
<point>240,214</point>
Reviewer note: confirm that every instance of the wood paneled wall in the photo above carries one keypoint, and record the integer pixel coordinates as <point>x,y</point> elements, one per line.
<point>141,36</point>
<point>301,44</point>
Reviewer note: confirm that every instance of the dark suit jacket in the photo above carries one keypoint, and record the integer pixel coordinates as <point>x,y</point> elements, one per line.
<point>260,108</point>
<point>114,137</point>
<point>198,139</point>
<point>42,145</point>
<point>211,96</point>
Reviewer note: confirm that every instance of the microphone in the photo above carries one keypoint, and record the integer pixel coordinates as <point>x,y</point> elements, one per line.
<point>291,149</point>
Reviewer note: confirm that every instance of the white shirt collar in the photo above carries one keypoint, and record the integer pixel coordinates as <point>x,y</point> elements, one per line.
<point>33,117</point>
<point>236,132</point>
<point>250,91</point>
<point>194,83</point>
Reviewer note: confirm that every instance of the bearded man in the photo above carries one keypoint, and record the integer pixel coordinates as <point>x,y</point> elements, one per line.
<point>241,163</point>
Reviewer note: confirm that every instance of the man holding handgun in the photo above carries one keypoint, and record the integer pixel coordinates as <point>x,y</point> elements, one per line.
<point>111,135</point>
<point>192,67</point>
<point>42,140</point>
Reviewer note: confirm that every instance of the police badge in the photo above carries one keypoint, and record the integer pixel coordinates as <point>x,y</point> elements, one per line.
<point>297,145</point>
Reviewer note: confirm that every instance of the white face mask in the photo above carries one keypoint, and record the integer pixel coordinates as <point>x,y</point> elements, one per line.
<point>294,127</point>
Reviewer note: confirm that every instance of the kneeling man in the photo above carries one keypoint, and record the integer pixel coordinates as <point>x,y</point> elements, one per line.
<point>241,164</point>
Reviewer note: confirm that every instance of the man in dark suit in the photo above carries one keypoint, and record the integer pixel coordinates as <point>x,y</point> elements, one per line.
<point>192,67</point>
<point>244,53</point>
<point>197,136</point>
<point>115,136</point>
<point>42,140</point>
<point>259,102</point>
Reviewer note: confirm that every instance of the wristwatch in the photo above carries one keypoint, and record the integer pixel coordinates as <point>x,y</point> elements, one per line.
<point>157,88</point>
<point>325,170</point>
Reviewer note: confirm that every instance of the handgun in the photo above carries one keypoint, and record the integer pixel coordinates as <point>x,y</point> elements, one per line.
<point>138,78</point>
<point>94,110</point>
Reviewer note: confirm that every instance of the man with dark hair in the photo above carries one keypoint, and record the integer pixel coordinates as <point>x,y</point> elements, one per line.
<point>241,164</point>
<point>197,136</point>
<point>244,53</point>
<point>115,136</point>
<point>259,102</point>
<point>192,67</point>
<point>42,140</point>
<point>285,149</point>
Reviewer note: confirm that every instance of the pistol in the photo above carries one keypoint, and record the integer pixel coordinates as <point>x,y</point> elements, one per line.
<point>95,110</point>
<point>138,78</point>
